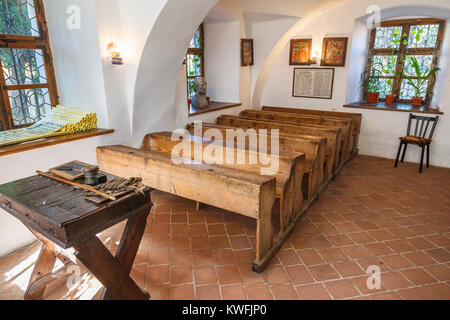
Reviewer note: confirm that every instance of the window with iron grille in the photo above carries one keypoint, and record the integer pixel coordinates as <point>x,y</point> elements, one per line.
<point>391,47</point>
<point>27,79</point>
<point>195,60</point>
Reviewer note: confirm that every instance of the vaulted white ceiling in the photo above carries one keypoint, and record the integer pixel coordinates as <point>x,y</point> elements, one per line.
<point>260,10</point>
<point>296,8</point>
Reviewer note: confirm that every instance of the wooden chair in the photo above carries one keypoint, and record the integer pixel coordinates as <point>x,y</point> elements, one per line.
<point>419,138</point>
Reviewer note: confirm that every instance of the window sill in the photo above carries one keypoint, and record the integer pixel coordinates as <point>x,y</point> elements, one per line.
<point>398,107</point>
<point>213,106</point>
<point>36,144</point>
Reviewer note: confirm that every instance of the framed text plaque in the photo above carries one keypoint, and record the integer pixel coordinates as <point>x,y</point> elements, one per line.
<point>313,83</point>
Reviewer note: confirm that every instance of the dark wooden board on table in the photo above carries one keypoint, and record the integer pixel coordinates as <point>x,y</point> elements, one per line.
<point>71,175</point>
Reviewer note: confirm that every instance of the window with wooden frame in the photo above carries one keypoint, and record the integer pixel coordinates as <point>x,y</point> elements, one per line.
<point>27,82</point>
<point>195,60</point>
<point>391,47</point>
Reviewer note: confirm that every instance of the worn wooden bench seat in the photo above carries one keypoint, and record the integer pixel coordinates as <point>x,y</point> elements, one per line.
<point>289,175</point>
<point>314,149</point>
<point>332,136</point>
<point>245,193</point>
<point>356,117</point>
<point>346,125</point>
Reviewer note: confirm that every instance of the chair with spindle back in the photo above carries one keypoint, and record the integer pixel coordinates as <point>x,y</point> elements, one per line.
<point>419,137</point>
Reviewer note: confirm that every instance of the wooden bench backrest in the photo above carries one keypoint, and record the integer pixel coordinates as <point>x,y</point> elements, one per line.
<point>313,147</point>
<point>289,176</point>
<point>346,125</point>
<point>307,142</point>
<point>162,142</point>
<point>331,135</point>
<point>357,117</point>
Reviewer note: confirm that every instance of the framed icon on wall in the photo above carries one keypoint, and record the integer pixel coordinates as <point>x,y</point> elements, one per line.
<point>247,52</point>
<point>334,52</point>
<point>300,52</point>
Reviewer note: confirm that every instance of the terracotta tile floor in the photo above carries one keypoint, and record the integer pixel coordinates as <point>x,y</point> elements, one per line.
<point>372,214</point>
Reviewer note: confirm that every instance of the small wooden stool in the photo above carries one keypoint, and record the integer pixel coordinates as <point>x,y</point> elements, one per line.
<point>58,215</point>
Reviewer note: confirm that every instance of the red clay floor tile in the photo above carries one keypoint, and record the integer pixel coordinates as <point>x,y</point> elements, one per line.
<point>209,292</point>
<point>313,292</point>
<point>284,292</point>
<point>299,275</point>
<point>418,276</point>
<point>233,292</point>
<point>323,272</point>
<point>341,289</point>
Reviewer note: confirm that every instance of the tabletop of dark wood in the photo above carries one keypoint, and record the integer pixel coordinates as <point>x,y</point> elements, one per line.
<point>61,212</point>
<point>57,201</point>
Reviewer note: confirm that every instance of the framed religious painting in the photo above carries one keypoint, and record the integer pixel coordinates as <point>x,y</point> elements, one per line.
<point>334,52</point>
<point>300,52</point>
<point>247,52</point>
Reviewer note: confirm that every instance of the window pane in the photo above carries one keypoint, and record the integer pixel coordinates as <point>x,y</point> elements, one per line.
<point>385,36</point>
<point>408,91</point>
<point>28,106</point>
<point>23,66</point>
<point>18,17</point>
<point>385,87</point>
<point>190,86</point>
<point>424,62</point>
<point>384,65</point>
<point>197,41</point>
<point>423,36</point>
<point>194,65</point>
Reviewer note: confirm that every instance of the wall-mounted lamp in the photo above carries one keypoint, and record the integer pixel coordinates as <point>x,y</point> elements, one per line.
<point>115,54</point>
<point>315,58</point>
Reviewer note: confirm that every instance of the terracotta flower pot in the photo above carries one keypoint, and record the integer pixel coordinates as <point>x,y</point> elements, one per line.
<point>416,101</point>
<point>189,101</point>
<point>390,99</point>
<point>373,97</point>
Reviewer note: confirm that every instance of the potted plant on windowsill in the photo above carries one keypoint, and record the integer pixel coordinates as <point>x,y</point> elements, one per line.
<point>398,38</point>
<point>388,70</point>
<point>373,93</point>
<point>191,92</point>
<point>370,82</point>
<point>421,77</point>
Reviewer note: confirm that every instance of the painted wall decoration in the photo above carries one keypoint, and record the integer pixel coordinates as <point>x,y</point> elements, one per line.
<point>247,52</point>
<point>313,83</point>
<point>334,52</point>
<point>300,52</point>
